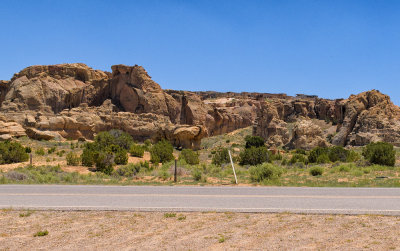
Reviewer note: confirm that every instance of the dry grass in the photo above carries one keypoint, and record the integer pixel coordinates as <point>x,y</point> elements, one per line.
<point>196,231</point>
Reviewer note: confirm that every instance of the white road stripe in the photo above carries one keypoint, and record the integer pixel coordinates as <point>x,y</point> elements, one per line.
<point>202,195</point>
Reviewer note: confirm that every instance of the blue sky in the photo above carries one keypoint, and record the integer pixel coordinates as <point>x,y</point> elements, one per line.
<point>328,48</point>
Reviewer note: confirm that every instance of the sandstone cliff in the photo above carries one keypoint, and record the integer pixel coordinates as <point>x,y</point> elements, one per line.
<point>76,101</point>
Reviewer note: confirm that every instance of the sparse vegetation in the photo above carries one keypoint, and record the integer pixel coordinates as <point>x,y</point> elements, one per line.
<point>264,172</point>
<point>72,159</point>
<point>380,153</point>
<point>41,233</point>
<point>338,166</point>
<point>254,156</point>
<point>221,157</point>
<point>136,150</point>
<point>316,170</point>
<point>161,152</point>
<point>12,152</point>
<point>191,157</point>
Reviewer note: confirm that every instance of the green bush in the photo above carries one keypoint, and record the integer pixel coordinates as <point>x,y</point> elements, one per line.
<point>316,152</point>
<point>136,150</point>
<point>162,152</point>
<point>332,154</point>
<point>196,174</point>
<point>114,137</point>
<point>265,171</point>
<point>129,170</point>
<point>120,154</point>
<point>109,148</point>
<point>353,156</point>
<point>89,154</point>
<point>40,151</point>
<point>191,157</point>
<point>147,144</point>
<point>72,159</point>
<point>12,152</point>
<point>274,157</point>
<point>338,153</point>
<point>51,150</point>
<point>316,171</point>
<point>323,158</point>
<point>298,158</point>
<point>104,162</point>
<point>28,149</point>
<point>254,141</point>
<point>380,153</point>
<point>220,157</point>
<point>300,151</point>
<point>254,156</point>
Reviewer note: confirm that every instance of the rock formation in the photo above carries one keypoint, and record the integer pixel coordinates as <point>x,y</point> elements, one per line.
<point>359,120</point>
<point>75,101</point>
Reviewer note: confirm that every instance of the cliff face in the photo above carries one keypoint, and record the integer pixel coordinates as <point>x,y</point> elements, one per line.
<point>359,120</point>
<point>76,101</point>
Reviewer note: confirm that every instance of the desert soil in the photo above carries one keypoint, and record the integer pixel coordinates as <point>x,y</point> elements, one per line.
<point>97,230</point>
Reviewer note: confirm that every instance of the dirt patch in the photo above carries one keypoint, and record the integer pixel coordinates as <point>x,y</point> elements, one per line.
<point>135,160</point>
<point>79,169</point>
<point>195,231</point>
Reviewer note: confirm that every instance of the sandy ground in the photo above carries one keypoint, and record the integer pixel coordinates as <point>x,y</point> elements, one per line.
<point>196,231</point>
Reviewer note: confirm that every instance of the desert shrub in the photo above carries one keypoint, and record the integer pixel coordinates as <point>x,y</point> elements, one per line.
<point>104,162</point>
<point>220,157</point>
<point>51,150</point>
<point>28,149</point>
<point>323,158</point>
<point>380,153</point>
<point>114,137</point>
<point>136,150</point>
<point>40,151</point>
<point>161,152</point>
<point>191,157</point>
<point>109,148</point>
<point>164,174</point>
<point>72,159</point>
<point>13,175</point>
<point>352,156</point>
<point>332,154</point>
<point>316,152</point>
<point>88,155</point>
<point>300,151</point>
<point>41,233</point>
<point>254,156</point>
<point>12,152</point>
<point>120,154</point>
<point>147,143</point>
<point>254,141</point>
<point>316,171</point>
<point>196,174</point>
<point>60,153</point>
<point>284,162</point>
<point>128,170</point>
<point>298,158</point>
<point>338,153</point>
<point>265,171</point>
<point>273,157</point>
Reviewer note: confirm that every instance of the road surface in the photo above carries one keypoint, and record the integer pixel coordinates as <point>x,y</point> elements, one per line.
<point>385,201</point>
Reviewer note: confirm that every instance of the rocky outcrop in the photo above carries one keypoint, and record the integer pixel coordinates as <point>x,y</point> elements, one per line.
<point>307,135</point>
<point>359,120</point>
<point>76,101</point>
<point>12,129</point>
<point>52,88</point>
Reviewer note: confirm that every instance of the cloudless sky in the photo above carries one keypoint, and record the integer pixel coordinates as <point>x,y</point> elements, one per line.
<point>329,48</point>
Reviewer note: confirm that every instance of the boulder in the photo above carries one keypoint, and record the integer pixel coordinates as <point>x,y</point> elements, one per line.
<point>42,135</point>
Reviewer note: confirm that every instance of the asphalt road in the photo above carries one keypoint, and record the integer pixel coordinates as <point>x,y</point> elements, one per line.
<point>385,201</point>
